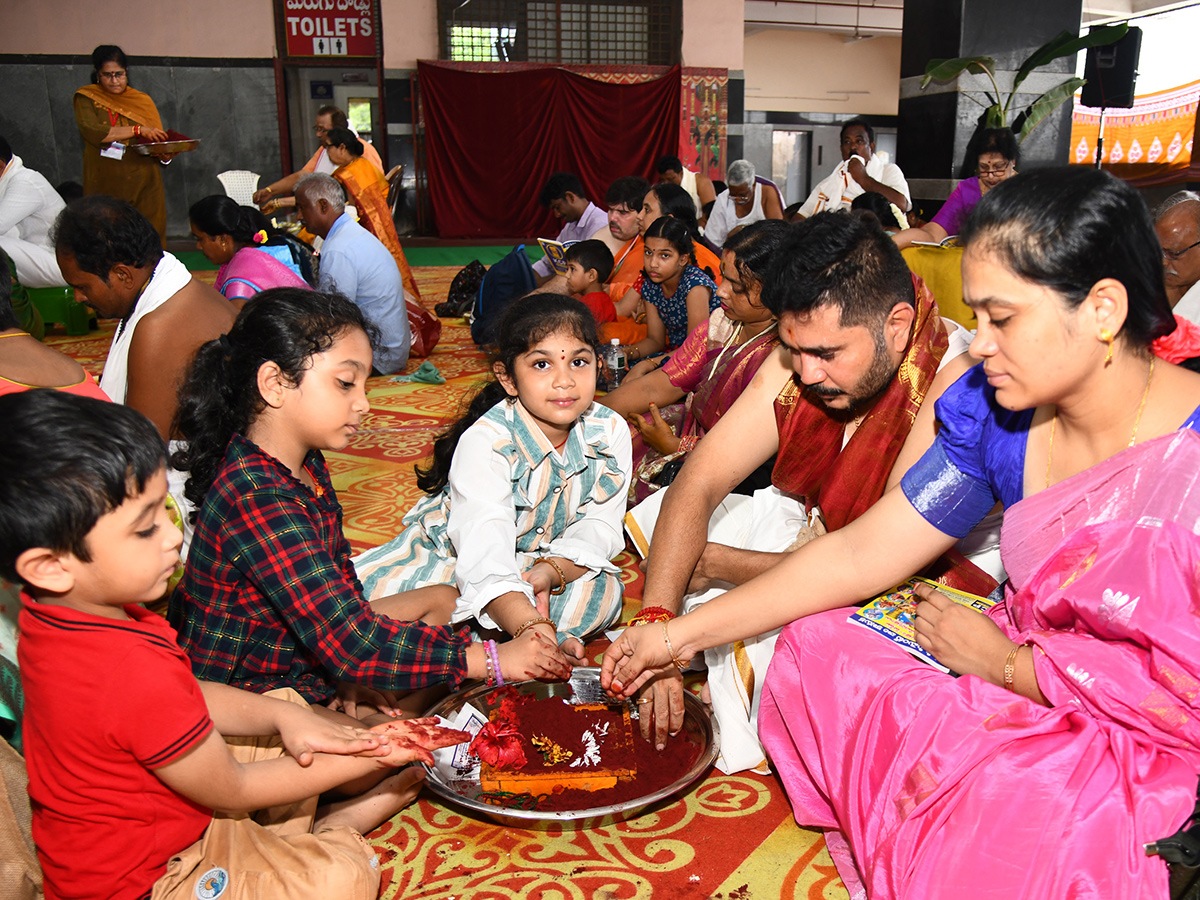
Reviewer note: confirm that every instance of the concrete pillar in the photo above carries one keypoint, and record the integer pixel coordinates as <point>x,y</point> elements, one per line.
<point>937,123</point>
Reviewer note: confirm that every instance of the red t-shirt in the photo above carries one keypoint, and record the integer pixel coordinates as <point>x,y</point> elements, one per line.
<point>106,703</point>
<point>601,306</point>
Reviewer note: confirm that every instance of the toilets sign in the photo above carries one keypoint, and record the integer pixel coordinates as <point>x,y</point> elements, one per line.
<point>330,27</point>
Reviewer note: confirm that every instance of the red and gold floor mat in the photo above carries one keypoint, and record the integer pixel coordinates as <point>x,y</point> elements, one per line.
<point>729,838</point>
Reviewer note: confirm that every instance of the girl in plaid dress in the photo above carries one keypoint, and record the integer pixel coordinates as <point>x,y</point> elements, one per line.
<point>526,493</point>
<point>269,597</point>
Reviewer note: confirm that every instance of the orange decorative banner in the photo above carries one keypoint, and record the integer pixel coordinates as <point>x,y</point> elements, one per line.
<point>1148,144</point>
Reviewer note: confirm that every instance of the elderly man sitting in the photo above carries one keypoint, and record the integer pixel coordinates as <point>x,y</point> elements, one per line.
<point>355,263</point>
<point>748,199</point>
<point>28,206</point>
<point>1177,223</point>
<point>328,118</point>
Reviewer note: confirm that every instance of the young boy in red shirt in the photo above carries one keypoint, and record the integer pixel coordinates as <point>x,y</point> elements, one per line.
<point>128,755</point>
<point>589,266</point>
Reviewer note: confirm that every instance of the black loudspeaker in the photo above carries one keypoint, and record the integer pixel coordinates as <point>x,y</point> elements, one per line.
<point>1111,72</point>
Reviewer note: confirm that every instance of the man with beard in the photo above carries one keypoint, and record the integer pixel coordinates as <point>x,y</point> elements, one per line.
<point>623,198</point>
<point>868,355</point>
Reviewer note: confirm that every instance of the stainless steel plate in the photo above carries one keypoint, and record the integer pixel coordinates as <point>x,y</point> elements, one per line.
<point>162,148</point>
<point>698,726</point>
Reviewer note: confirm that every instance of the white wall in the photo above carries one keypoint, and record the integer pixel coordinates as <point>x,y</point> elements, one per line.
<point>789,70</point>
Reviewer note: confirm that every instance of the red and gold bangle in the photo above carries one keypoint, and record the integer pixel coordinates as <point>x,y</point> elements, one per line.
<point>652,614</point>
<point>137,131</point>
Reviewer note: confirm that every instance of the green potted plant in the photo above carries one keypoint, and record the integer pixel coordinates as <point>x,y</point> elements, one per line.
<point>1001,109</point>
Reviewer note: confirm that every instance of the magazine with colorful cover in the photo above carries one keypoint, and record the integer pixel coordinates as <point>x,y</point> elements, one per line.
<point>890,615</point>
<point>556,253</point>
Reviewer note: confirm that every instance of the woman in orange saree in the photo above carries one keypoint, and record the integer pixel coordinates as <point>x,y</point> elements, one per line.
<point>366,190</point>
<point>110,116</point>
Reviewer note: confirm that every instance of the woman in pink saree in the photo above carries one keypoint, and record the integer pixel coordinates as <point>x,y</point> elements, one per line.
<point>1071,737</point>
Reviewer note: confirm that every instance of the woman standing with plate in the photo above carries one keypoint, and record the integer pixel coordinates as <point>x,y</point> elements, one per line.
<point>110,116</point>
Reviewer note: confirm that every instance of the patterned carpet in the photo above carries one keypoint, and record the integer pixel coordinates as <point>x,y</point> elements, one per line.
<point>729,838</point>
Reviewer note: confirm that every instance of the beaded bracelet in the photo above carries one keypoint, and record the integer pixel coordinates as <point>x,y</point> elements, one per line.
<point>651,614</point>
<point>679,664</point>
<point>493,656</point>
<point>487,661</point>
<point>538,620</point>
<point>562,576</point>
<point>1010,667</point>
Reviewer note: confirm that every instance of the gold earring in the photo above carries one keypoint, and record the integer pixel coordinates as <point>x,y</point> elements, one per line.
<point>1107,337</point>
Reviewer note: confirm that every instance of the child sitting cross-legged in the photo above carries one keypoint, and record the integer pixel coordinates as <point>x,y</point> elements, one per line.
<point>270,597</point>
<point>141,777</point>
<point>525,494</point>
<point>589,266</point>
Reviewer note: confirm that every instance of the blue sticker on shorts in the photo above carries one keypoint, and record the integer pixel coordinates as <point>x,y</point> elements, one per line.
<point>212,884</point>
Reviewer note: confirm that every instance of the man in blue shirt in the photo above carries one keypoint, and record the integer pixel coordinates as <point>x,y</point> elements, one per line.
<point>355,263</point>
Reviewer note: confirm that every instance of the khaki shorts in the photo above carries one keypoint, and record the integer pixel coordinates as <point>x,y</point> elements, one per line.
<point>272,854</point>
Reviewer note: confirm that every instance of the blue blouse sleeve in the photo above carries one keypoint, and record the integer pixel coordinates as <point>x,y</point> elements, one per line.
<point>977,458</point>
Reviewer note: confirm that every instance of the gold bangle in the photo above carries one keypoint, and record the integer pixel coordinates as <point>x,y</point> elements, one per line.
<point>562,576</point>
<point>1010,667</point>
<point>539,620</point>
<point>679,664</point>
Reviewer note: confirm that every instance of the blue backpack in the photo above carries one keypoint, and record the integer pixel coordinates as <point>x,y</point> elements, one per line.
<point>503,283</point>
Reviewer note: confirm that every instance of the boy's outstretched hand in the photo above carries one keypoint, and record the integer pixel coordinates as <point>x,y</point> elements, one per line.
<point>413,740</point>
<point>304,733</point>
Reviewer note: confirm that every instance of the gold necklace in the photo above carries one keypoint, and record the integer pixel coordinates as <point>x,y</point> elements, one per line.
<point>1132,437</point>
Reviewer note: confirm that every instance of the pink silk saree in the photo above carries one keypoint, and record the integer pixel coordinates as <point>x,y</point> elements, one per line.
<point>943,787</point>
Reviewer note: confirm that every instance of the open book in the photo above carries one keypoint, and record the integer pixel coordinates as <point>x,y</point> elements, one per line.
<point>950,240</point>
<point>555,252</point>
<point>890,615</point>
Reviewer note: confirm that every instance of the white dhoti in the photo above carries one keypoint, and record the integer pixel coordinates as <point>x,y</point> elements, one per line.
<point>768,521</point>
<point>36,266</point>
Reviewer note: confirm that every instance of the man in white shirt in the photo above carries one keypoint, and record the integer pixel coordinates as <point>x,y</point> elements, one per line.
<point>564,196</point>
<point>861,170</point>
<point>1177,223</point>
<point>28,208</point>
<point>699,187</point>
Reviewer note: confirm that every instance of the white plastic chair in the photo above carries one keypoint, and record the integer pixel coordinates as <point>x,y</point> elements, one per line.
<point>239,185</point>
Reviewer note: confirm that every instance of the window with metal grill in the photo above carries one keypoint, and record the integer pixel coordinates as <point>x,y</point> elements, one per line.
<point>613,32</point>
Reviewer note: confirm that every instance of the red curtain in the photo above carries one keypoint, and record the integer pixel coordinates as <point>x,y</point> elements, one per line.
<point>493,139</point>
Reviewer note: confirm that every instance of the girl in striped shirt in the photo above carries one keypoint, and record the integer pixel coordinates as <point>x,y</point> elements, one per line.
<point>526,492</point>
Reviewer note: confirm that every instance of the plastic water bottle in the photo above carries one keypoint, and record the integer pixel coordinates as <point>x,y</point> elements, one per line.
<point>616,360</point>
